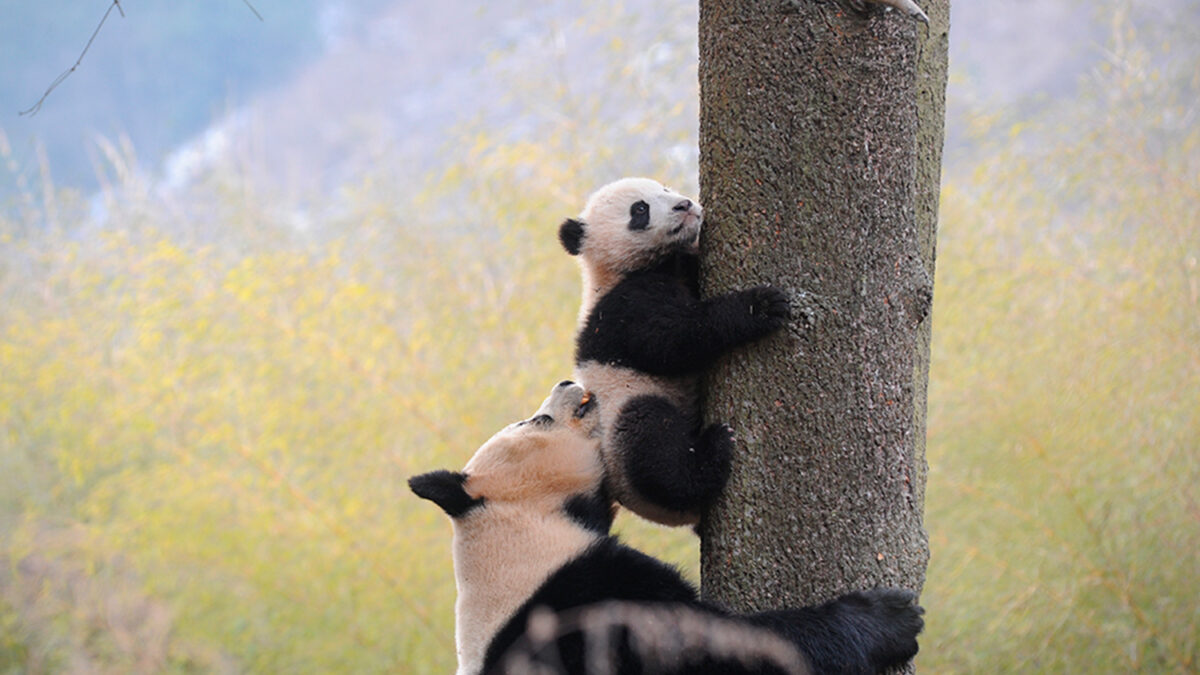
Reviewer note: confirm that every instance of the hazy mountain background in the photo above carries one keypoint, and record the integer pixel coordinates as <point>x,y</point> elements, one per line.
<point>320,92</point>
<point>254,274</point>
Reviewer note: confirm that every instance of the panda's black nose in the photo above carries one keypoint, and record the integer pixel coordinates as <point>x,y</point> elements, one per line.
<point>683,205</point>
<point>565,383</point>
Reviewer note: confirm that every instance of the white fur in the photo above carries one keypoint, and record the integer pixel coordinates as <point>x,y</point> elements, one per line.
<point>611,250</point>
<point>506,549</point>
<point>501,556</point>
<point>613,386</point>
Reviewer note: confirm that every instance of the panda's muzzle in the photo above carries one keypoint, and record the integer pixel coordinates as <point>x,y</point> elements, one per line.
<point>567,400</point>
<point>689,220</point>
<point>586,405</point>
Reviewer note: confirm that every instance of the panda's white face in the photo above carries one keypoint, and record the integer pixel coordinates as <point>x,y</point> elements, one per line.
<point>540,462</point>
<point>511,508</point>
<point>631,223</point>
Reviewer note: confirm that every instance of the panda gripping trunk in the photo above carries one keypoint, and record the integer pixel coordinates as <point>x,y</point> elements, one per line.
<point>645,337</point>
<point>653,322</point>
<point>543,587</point>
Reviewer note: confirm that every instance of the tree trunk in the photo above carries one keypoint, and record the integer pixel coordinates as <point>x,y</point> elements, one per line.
<point>820,159</point>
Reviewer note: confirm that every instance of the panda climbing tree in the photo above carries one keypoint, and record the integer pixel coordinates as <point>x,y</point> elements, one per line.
<point>820,154</point>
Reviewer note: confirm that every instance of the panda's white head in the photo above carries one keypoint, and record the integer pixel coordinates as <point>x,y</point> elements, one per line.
<point>631,224</point>
<point>536,465</point>
<point>529,501</point>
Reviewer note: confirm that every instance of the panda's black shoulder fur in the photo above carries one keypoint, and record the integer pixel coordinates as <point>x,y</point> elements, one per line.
<point>594,511</point>
<point>608,570</point>
<point>654,321</point>
<point>859,633</point>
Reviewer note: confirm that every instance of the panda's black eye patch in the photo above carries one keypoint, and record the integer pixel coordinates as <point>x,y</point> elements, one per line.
<point>639,215</point>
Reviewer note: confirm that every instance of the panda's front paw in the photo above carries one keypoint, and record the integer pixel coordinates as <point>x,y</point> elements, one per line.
<point>888,621</point>
<point>715,448</point>
<point>769,306</point>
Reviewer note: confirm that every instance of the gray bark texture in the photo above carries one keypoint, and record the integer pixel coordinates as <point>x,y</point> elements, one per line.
<point>820,161</point>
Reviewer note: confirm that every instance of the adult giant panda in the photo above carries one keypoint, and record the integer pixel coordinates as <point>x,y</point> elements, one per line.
<point>533,560</point>
<point>645,336</point>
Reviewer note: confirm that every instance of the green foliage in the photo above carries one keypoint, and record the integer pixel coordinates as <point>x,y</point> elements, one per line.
<point>1063,426</point>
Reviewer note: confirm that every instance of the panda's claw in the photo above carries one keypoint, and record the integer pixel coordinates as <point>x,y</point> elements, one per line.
<point>716,442</point>
<point>907,6</point>
<point>770,305</point>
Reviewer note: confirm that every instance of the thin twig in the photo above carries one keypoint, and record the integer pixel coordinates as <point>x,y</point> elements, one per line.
<point>253,10</point>
<point>33,110</point>
<point>116,4</point>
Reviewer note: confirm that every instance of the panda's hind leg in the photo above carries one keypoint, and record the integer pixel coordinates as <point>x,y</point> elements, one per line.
<point>666,463</point>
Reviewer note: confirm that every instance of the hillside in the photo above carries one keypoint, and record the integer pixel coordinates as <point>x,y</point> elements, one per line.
<point>320,93</point>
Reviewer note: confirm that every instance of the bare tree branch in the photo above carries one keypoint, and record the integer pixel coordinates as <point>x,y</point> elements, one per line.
<point>260,18</point>
<point>116,4</point>
<point>33,110</point>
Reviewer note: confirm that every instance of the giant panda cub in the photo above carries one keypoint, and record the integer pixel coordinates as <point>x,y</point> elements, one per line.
<point>644,337</point>
<point>540,581</point>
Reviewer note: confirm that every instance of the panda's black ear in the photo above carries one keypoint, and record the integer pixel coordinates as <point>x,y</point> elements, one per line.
<point>445,488</point>
<point>570,233</point>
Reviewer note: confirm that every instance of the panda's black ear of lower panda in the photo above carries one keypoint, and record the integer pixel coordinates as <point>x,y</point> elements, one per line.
<point>445,488</point>
<point>571,234</point>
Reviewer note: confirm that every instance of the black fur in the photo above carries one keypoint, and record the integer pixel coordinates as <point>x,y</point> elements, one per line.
<point>639,215</point>
<point>445,488</point>
<point>655,322</point>
<point>884,624</point>
<point>671,466</point>
<point>593,512</point>
<point>570,234</point>
<point>863,632</point>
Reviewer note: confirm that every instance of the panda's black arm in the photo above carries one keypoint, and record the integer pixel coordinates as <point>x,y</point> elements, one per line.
<point>656,325</point>
<point>861,632</point>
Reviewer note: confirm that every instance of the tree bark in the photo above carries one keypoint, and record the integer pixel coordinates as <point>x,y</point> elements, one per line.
<point>820,160</point>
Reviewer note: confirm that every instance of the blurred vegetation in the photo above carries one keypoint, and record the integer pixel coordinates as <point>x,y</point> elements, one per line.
<point>208,407</point>
<point>210,404</point>
<point>1064,420</point>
